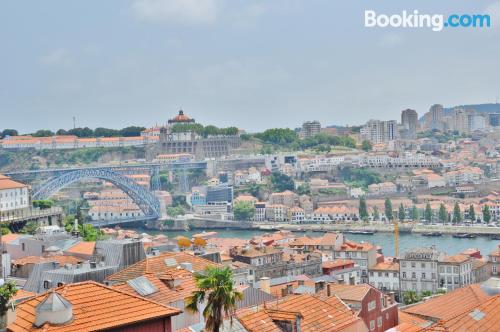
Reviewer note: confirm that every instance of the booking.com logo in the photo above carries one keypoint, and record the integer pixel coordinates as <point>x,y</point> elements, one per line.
<point>436,22</point>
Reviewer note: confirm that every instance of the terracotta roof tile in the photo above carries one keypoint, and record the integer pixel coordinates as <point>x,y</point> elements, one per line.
<point>483,317</point>
<point>158,265</point>
<point>317,315</point>
<point>82,248</point>
<point>350,292</point>
<point>165,294</point>
<point>95,307</point>
<point>449,305</point>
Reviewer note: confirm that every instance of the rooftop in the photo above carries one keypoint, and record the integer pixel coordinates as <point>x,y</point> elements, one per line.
<point>95,307</point>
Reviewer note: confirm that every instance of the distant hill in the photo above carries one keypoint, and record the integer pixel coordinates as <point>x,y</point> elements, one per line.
<point>482,108</point>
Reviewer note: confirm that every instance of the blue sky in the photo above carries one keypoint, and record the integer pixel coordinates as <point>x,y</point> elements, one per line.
<point>254,64</point>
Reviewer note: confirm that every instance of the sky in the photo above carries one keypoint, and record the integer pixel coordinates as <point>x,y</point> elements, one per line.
<point>252,64</point>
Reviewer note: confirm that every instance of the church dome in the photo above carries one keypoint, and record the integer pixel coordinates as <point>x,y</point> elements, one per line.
<point>181,118</point>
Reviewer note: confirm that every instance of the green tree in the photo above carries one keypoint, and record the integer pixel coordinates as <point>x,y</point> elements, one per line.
<point>366,145</point>
<point>363,211</point>
<point>175,211</point>
<point>278,136</point>
<point>7,292</point>
<point>388,209</point>
<point>410,297</point>
<point>243,210</point>
<point>486,214</point>
<point>457,214</point>
<point>401,212</point>
<point>131,131</point>
<point>282,182</point>
<point>43,204</point>
<point>304,189</point>
<point>428,212</point>
<point>43,133</point>
<point>9,132</point>
<point>442,214</point>
<point>426,293</point>
<point>376,213</point>
<point>215,286</point>
<point>472,213</point>
<point>414,213</point>
<point>29,228</point>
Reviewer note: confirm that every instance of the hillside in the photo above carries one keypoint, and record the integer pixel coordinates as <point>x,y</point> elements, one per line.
<point>36,159</point>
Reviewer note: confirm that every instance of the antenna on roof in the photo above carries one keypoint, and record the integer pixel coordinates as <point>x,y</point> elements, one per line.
<point>74,122</point>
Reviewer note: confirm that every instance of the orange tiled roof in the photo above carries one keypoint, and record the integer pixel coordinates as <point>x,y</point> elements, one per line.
<point>386,266</point>
<point>354,246</point>
<point>456,259</point>
<point>7,183</point>
<point>336,263</point>
<point>411,319</point>
<point>82,248</point>
<point>451,304</point>
<point>22,295</point>
<point>95,307</point>
<point>316,315</point>
<point>10,237</point>
<point>165,295</point>
<point>483,317</point>
<point>61,259</point>
<point>350,292</point>
<point>157,265</point>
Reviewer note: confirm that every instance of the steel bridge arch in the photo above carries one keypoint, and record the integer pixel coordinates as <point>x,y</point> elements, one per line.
<point>147,202</point>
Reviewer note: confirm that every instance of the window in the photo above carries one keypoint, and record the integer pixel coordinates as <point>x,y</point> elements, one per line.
<point>379,321</point>
<point>413,264</point>
<point>403,264</point>
<point>23,246</point>
<point>423,275</point>
<point>372,325</point>
<point>423,265</point>
<point>371,305</point>
<point>404,275</point>
<point>414,275</point>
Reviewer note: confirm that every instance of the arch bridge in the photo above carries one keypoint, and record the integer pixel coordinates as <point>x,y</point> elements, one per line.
<point>147,201</point>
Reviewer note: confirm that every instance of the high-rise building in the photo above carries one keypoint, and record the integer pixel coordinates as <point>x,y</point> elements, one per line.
<point>494,119</point>
<point>377,131</point>
<point>310,129</point>
<point>436,117</point>
<point>463,120</point>
<point>409,120</point>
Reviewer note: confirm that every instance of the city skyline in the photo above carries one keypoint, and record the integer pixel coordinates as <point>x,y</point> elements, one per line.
<point>137,62</point>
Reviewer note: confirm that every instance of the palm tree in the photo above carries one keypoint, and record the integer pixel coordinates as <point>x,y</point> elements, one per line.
<point>410,297</point>
<point>215,285</point>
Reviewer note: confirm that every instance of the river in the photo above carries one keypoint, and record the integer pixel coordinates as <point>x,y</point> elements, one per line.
<point>445,243</point>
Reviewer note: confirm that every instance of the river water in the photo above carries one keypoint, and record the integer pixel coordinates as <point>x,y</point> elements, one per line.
<point>445,243</point>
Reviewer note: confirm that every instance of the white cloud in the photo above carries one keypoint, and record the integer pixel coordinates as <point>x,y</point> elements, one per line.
<point>57,57</point>
<point>176,11</point>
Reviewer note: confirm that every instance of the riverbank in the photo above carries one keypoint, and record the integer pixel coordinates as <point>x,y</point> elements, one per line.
<point>204,224</point>
<point>385,240</point>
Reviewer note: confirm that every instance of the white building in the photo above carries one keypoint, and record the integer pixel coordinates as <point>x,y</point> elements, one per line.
<point>419,270</point>
<point>385,276</point>
<point>455,272</point>
<point>14,197</point>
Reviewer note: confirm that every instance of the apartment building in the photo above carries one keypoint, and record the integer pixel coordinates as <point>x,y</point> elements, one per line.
<point>385,276</point>
<point>14,197</point>
<point>363,254</point>
<point>377,131</point>
<point>418,270</point>
<point>455,271</point>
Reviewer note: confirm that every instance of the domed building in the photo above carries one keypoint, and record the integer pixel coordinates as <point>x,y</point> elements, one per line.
<point>181,118</point>
<point>173,142</point>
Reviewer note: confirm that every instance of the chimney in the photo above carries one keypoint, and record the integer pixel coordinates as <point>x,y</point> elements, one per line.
<point>328,290</point>
<point>265,284</point>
